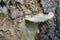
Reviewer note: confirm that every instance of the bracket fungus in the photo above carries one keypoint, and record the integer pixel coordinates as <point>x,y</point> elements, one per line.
<point>41,17</point>
<point>34,22</point>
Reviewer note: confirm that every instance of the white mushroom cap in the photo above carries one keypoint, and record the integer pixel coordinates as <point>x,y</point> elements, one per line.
<point>41,17</point>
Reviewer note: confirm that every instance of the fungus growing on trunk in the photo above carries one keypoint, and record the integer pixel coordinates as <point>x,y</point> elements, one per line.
<point>41,17</point>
